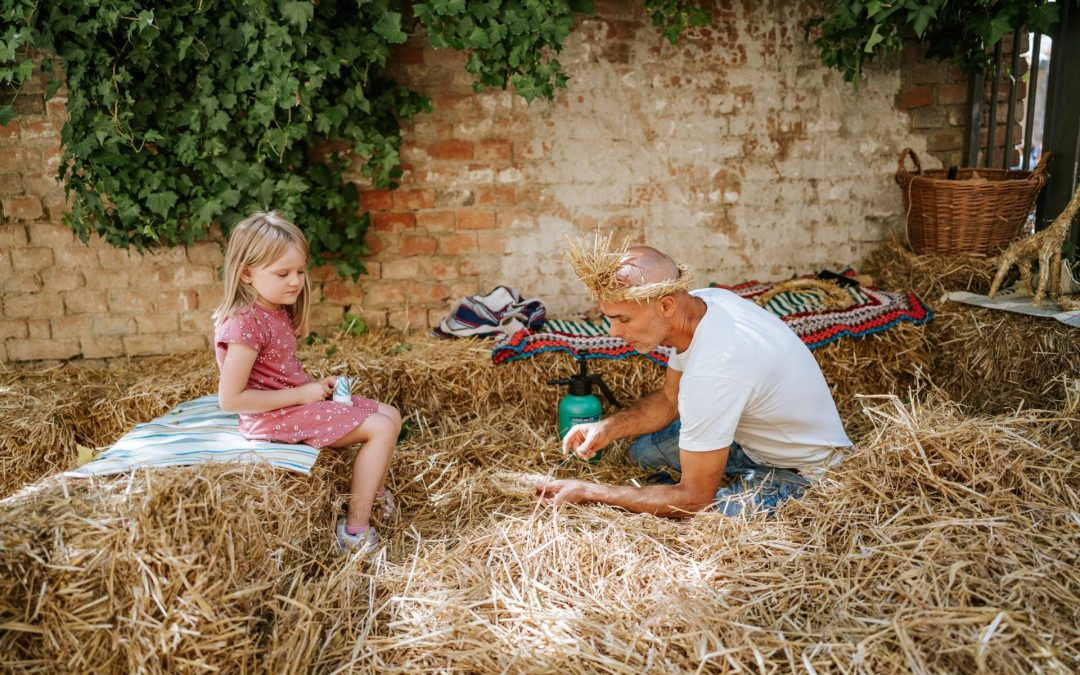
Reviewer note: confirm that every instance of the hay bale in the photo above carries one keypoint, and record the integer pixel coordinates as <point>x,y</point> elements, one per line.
<point>883,363</point>
<point>994,361</point>
<point>945,544</point>
<point>37,436</point>
<point>894,266</point>
<point>989,360</point>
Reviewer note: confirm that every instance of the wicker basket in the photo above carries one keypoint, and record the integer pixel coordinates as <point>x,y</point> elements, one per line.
<point>975,217</point>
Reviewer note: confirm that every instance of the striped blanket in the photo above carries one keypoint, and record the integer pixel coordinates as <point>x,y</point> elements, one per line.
<point>194,432</point>
<point>871,311</point>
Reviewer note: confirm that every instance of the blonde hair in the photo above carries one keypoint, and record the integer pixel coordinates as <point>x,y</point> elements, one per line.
<point>598,268</point>
<point>258,241</point>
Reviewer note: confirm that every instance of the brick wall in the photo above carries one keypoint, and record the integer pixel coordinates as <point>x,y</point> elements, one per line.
<point>935,95</point>
<point>735,150</point>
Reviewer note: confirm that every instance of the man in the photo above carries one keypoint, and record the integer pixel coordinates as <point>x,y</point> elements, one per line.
<point>742,395</point>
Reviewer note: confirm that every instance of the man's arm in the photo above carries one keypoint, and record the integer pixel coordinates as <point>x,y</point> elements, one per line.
<point>650,413</point>
<point>701,476</point>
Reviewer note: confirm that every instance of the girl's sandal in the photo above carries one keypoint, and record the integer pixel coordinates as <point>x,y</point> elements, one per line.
<point>387,507</point>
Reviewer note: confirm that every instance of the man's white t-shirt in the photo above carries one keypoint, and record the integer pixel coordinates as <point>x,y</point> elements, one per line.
<point>747,377</point>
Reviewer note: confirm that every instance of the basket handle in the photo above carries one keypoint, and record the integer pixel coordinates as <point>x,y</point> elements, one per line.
<point>904,154</point>
<point>1039,172</point>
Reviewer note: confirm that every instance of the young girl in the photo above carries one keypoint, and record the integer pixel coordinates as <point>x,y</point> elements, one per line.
<point>264,308</point>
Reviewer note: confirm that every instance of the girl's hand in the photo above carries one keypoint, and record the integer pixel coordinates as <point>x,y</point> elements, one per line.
<point>316,391</point>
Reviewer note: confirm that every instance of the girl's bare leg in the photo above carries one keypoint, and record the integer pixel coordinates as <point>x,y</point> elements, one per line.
<point>378,433</point>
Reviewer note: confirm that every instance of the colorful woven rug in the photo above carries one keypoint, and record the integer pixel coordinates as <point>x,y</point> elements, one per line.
<point>583,339</point>
<point>872,311</point>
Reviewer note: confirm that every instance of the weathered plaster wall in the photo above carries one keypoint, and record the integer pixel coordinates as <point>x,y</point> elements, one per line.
<point>735,150</point>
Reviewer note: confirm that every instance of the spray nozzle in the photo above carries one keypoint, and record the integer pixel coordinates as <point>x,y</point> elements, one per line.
<point>582,383</point>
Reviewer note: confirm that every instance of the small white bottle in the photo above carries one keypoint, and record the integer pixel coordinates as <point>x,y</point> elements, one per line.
<point>341,391</point>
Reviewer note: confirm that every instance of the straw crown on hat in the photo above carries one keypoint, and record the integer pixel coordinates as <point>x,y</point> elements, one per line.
<point>598,268</point>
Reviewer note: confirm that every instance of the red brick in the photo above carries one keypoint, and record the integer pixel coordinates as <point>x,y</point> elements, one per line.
<point>493,149</point>
<point>32,306</point>
<point>451,149</point>
<point>948,94</point>
<point>23,208</point>
<point>114,325</point>
<point>513,218</point>
<point>56,107</point>
<point>13,328</point>
<point>177,344</point>
<point>377,243</point>
<point>64,280</point>
<point>414,199</point>
<point>73,327</point>
<point>392,222</point>
<point>377,200</point>
<point>496,196</point>
<point>36,350</point>
<point>40,329</point>
<point>144,345</point>
<point>374,318</point>
<point>407,55</point>
<point>20,283</point>
<point>372,270</point>
<point>52,235</point>
<point>469,219</point>
<point>417,245</point>
<point>492,243</point>
<point>467,268</point>
<point>457,244</point>
<point>401,268</point>
<point>32,259</point>
<point>101,347</point>
<point>929,73</point>
<point>436,221</point>
<point>40,130</point>
<point>10,130</point>
<point>442,269</point>
<point>915,97</point>
<point>944,140</point>
<point>322,273</point>
<point>11,184</point>
<point>341,291</point>
<point>411,320</point>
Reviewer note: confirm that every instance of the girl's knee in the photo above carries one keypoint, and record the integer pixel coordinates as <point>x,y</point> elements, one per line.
<point>382,426</point>
<point>391,412</point>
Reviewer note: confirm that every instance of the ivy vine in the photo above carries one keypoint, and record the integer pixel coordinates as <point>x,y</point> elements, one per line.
<point>195,112</point>
<point>853,31</point>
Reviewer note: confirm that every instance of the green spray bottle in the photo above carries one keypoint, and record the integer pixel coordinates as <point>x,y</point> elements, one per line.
<point>579,406</point>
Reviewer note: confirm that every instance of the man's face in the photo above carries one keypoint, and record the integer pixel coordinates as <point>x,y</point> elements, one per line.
<point>638,323</point>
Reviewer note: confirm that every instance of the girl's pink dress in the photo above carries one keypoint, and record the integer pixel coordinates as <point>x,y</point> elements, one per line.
<point>270,333</point>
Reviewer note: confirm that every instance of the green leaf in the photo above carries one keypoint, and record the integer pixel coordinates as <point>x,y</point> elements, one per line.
<point>161,202</point>
<point>298,13</point>
<point>7,113</point>
<point>389,26</point>
<point>875,38</point>
<point>922,19</point>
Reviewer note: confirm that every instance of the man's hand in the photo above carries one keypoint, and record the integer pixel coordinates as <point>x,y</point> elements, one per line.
<point>562,492</point>
<point>585,440</point>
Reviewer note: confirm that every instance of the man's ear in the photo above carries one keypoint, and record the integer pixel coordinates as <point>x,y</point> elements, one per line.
<point>666,305</point>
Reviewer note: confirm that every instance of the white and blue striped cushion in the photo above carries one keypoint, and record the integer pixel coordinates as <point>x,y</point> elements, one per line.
<point>194,432</point>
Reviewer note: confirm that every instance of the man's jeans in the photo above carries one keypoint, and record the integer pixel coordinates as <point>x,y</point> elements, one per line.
<point>753,486</point>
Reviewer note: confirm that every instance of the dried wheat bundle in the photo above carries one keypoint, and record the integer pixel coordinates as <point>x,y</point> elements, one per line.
<point>829,294</point>
<point>598,264</point>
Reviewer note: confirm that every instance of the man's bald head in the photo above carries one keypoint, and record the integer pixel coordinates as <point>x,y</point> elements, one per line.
<point>642,265</point>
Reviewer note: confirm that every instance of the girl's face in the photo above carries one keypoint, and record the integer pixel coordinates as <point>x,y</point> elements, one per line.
<point>280,282</point>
